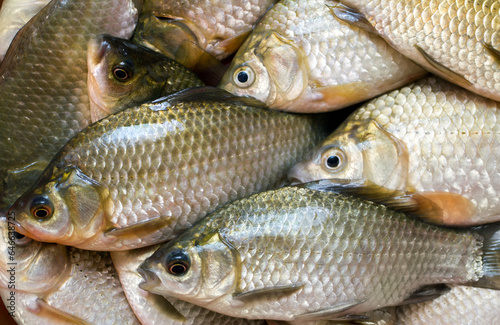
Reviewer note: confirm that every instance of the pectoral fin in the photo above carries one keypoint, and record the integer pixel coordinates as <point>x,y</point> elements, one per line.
<point>58,315</point>
<point>340,311</point>
<point>456,209</point>
<point>164,306</point>
<point>232,44</point>
<point>339,96</point>
<point>426,293</point>
<point>493,51</point>
<point>206,66</point>
<point>445,71</point>
<point>139,230</point>
<point>273,293</point>
<point>352,17</point>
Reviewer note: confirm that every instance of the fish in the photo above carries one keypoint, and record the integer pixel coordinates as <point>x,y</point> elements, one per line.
<point>458,41</point>
<point>461,306</point>
<point>43,85</point>
<point>198,34</point>
<point>143,175</point>
<point>318,251</point>
<point>301,58</point>
<point>431,138</point>
<point>44,283</point>
<point>122,74</point>
<point>154,309</point>
<point>14,14</point>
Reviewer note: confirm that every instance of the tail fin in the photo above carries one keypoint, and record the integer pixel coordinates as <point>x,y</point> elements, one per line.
<point>491,257</point>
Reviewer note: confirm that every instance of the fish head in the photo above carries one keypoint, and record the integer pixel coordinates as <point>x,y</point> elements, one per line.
<point>360,151</point>
<point>121,74</point>
<point>64,207</point>
<point>37,267</point>
<point>199,270</point>
<point>268,67</point>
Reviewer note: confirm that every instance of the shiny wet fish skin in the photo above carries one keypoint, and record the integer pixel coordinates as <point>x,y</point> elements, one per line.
<point>14,14</point>
<point>426,137</point>
<point>301,58</point>
<point>297,253</point>
<point>145,174</point>
<point>55,284</point>
<point>457,40</point>
<point>150,308</point>
<point>123,74</point>
<point>43,89</point>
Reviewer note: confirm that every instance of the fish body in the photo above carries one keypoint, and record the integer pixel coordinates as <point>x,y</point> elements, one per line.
<point>457,40</point>
<point>301,58</point>
<point>55,284</point>
<point>154,309</point>
<point>302,253</point>
<point>43,88</point>
<point>14,14</point>
<point>461,306</point>
<point>431,136</point>
<point>142,175</point>
<point>123,74</point>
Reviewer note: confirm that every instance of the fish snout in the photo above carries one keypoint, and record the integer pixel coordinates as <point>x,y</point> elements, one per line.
<point>97,49</point>
<point>150,279</point>
<point>295,175</point>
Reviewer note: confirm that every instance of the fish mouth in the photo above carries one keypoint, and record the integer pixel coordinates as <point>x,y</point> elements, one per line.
<point>150,279</point>
<point>97,49</point>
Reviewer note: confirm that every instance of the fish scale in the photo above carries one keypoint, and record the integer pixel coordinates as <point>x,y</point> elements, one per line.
<point>43,83</point>
<point>337,249</point>
<point>454,33</point>
<point>173,161</point>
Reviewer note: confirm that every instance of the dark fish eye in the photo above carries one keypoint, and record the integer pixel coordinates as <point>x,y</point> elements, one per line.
<point>178,263</point>
<point>41,208</point>
<point>122,73</point>
<point>244,76</point>
<point>334,159</point>
<point>18,235</point>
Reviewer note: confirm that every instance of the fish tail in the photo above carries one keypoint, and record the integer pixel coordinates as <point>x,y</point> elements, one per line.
<point>491,257</point>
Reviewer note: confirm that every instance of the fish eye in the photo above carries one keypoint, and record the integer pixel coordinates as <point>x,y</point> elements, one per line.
<point>19,239</point>
<point>334,159</point>
<point>122,72</point>
<point>41,208</point>
<point>178,263</point>
<point>244,77</point>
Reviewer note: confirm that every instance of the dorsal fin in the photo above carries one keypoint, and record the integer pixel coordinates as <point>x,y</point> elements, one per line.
<point>204,94</point>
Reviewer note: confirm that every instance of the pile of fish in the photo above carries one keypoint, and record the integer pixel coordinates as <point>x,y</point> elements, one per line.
<point>344,170</point>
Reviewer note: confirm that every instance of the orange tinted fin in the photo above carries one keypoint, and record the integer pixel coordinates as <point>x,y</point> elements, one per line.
<point>352,17</point>
<point>205,65</point>
<point>339,96</point>
<point>445,71</point>
<point>232,44</point>
<point>456,209</point>
<point>141,229</point>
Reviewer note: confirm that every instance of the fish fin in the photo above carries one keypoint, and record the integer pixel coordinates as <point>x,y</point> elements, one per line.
<point>456,209</point>
<point>203,94</point>
<point>493,51</point>
<point>449,74</point>
<point>164,306</point>
<point>409,203</point>
<point>336,312</point>
<point>274,293</point>
<point>232,44</point>
<point>490,258</point>
<point>207,67</point>
<point>425,293</point>
<point>141,229</point>
<point>339,96</point>
<point>62,316</point>
<point>351,17</point>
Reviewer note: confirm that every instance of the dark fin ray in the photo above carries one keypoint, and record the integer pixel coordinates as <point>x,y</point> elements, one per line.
<point>352,17</point>
<point>164,306</point>
<point>141,229</point>
<point>491,257</point>
<point>59,314</point>
<point>425,293</point>
<point>273,293</point>
<point>450,75</point>
<point>203,94</point>
<point>493,51</point>
<point>336,312</point>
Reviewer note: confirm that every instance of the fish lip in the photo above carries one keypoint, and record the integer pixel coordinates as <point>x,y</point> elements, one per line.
<point>150,280</point>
